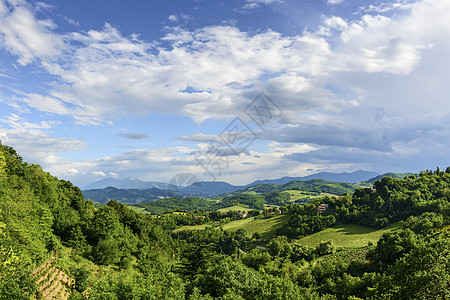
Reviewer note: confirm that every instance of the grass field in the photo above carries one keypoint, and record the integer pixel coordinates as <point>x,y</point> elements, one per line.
<point>236,208</point>
<point>346,236</point>
<point>137,209</point>
<point>296,195</point>
<point>265,227</point>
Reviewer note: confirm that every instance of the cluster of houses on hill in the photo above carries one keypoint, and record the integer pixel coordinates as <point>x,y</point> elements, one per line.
<point>242,215</point>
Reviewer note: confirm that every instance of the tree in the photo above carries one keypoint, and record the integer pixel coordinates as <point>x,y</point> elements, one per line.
<point>15,278</point>
<point>279,246</point>
<point>325,248</point>
<point>391,247</point>
<point>424,272</point>
<point>229,278</point>
<point>195,259</point>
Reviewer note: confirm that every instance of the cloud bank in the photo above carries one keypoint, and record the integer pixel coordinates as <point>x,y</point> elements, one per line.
<point>358,92</point>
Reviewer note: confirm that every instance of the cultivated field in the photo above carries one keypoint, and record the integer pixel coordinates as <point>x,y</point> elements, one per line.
<point>346,236</point>
<point>296,195</point>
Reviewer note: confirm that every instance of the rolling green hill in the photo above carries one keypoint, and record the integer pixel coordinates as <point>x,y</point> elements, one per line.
<point>390,174</point>
<point>313,185</point>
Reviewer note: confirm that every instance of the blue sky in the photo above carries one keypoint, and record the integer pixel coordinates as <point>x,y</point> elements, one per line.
<point>151,89</point>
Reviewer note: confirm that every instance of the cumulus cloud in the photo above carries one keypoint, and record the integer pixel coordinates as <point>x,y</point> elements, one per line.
<point>173,18</point>
<point>192,77</point>
<point>179,17</point>
<point>25,36</point>
<point>36,146</point>
<point>35,142</point>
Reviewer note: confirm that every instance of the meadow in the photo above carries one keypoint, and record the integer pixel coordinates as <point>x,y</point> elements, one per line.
<point>346,236</point>
<point>298,195</point>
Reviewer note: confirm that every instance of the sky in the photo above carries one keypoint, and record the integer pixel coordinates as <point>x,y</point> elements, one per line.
<point>235,90</point>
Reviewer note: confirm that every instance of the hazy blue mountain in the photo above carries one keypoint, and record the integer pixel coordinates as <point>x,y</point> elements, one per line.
<point>128,183</point>
<point>357,176</point>
<point>212,188</point>
<point>219,187</point>
<point>131,196</point>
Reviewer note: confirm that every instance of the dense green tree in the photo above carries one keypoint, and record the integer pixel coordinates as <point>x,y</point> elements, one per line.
<point>392,246</point>
<point>424,272</point>
<point>195,259</point>
<point>15,277</point>
<point>325,248</point>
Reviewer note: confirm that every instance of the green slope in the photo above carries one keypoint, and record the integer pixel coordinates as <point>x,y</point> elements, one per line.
<point>265,227</point>
<point>346,236</point>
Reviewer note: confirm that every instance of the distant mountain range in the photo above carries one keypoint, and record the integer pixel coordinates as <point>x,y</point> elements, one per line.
<point>131,196</point>
<point>357,176</point>
<point>215,187</point>
<point>133,190</point>
<point>128,183</point>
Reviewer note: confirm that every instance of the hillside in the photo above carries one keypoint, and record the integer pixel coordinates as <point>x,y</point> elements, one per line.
<point>128,183</point>
<point>354,177</point>
<point>346,236</point>
<point>390,174</point>
<point>131,196</point>
<point>265,227</point>
<point>313,185</point>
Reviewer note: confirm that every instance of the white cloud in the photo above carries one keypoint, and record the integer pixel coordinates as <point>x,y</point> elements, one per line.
<point>250,4</point>
<point>154,80</point>
<point>36,142</point>
<point>6,76</point>
<point>25,36</point>
<point>35,146</point>
<point>332,2</point>
<point>98,173</point>
<point>173,18</point>
<point>18,122</point>
<point>331,23</point>
<point>179,18</point>
<point>384,7</point>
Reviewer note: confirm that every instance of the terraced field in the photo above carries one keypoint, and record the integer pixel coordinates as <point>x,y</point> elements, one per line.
<point>52,282</point>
